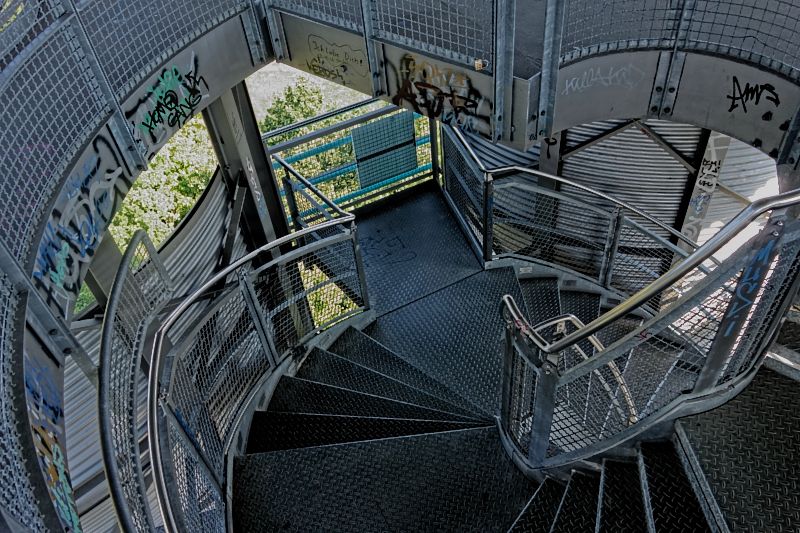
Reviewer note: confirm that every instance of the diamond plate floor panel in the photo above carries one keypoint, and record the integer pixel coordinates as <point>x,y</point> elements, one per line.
<point>309,397</point>
<point>578,510</point>
<point>749,450</point>
<point>540,512</point>
<point>456,481</point>
<point>412,249</point>
<point>456,335</point>
<point>674,504</point>
<point>285,431</point>
<point>330,369</point>
<point>622,506</point>
<point>541,298</point>
<point>362,349</point>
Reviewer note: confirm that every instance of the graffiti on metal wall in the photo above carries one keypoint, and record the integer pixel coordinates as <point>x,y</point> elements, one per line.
<point>338,63</point>
<point>445,93</point>
<point>88,202</point>
<point>165,106</point>
<point>705,185</point>
<point>46,416</point>
<point>754,94</point>
<point>625,77</point>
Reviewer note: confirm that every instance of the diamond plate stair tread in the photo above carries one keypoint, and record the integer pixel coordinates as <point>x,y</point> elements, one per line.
<point>622,506</point>
<point>456,334</point>
<point>362,349</point>
<point>294,395</point>
<point>285,431</point>
<point>578,510</point>
<point>455,481</point>
<point>330,369</point>
<point>538,515</point>
<point>672,499</point>
<point>411,249</point>
<point>748,450</point>
<point>541,298</point>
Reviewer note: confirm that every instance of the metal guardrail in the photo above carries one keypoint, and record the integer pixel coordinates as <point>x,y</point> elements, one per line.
<point>141,287</point>
<point>221,342</point>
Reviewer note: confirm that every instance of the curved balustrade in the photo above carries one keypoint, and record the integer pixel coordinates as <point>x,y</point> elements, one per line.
<point>213,351</point>
<point>141,288</point>
<point>561,404</point>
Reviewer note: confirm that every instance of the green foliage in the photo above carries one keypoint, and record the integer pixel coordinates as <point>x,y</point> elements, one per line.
<point>163,194</point>
<point>298,103</point>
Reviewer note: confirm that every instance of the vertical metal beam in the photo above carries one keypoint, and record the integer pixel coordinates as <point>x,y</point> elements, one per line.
<point>277,38</point>
<point>543,407</point>
<point>704,182</point>
<point>503,67</point>
<point>610,250</point>
<point>375,66</point>
<point>553,30</point>
<point>488,218</point>
<point>433,128</point>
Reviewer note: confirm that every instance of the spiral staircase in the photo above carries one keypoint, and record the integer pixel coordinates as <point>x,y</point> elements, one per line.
<point>474,302</point>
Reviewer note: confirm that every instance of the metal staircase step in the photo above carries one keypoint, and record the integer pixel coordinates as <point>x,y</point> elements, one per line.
<point>286,431</point>
<point>539,514</point>
<point>747,450</point>
<point>620,505</point>
<point>330,369</point>
<point>673,505</point>
<point>453,481</point>
<point>360,348</point>
<point>578,509</point>
<point>294,395</point>
<point>541,298</point>
<point>456,335</point>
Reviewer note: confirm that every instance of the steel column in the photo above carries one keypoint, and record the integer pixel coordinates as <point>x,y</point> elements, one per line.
<point>611,246</point>
<point>543,407</point>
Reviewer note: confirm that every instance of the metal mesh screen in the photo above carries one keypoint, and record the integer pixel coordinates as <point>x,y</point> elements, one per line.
<point>140,290</point>
<point>763,32</point>
<point>50,106</point>
<point>640,259</point>
<point>344,13</point>
<point>459,30</point>
<point>202,505</point>
<point>132,38</point>
<point>594,27</point>
<point>519,414</point>
<point>21,22</point>
<point>464,185</point>
<point>385,148</point>
<point>16,493</point>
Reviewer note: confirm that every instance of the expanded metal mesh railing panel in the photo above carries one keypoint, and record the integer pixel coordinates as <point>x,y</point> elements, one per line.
<point>50,106</point>
<point>758,31</point>
<point>131,39</point>
<point>518,414</point>
<point>140,290</point>
<point>459,30</point>
<point>640,259</point>
<point>201,504</point>
<point>463,183</point>
<point>16,494</point>
<point>21,22</point>
<point>595,27</point>
<point>344,13</point>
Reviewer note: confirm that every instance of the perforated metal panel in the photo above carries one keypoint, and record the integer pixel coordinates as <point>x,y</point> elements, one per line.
<point>344,13</point>
<point>132,38</point>
<point>592,27</point>
<point>16,494</point>
<point>758,31</point>
<point>21,22</point>
<point>385,148</point>
<point>459,30</point>
<point>50,107</point>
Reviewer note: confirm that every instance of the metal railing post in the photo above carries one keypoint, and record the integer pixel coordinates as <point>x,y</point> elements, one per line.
<point>251,299</point>
<point>433,128</point>
<point>291,201</point>
<point>543,407</point>
<point>488,223</point>
<point>362,275</point>
<point>610,249</point>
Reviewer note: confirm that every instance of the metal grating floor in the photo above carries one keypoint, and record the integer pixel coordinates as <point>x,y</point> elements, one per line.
<point>749,450</point>
<point>411,249</point>
<point>454,481</point>
<point>456,335</point>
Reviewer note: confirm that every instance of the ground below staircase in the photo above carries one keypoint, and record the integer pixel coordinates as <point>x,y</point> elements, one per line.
<point>393,428</point>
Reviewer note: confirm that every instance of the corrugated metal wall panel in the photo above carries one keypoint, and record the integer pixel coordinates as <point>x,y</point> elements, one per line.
<point>497,155</point>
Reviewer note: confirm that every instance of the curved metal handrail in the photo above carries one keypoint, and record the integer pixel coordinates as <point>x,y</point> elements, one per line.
<point>492,174</point>
<point>107,446</point>
<point>157,360</point>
